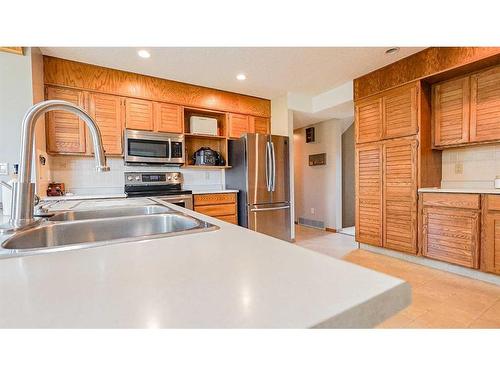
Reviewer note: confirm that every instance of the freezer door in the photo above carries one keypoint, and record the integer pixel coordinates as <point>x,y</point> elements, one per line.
<point>258,149</point>
<point>280,172</point>
<point>273,220</point>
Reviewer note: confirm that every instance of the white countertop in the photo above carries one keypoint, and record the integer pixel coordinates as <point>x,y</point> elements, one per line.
<point>457,190</point>
<point>214,191</point>
<point>82,197</point>
<point>231,277</point>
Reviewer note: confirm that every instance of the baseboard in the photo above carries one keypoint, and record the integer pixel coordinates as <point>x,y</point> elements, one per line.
<point>333,230</point>
<point>443,266</point>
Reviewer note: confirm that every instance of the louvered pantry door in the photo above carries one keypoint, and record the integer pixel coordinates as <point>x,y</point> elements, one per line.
<point>369,194</point>
<point>369,120</point>
<point>400,195</point>
<point>400,112</point>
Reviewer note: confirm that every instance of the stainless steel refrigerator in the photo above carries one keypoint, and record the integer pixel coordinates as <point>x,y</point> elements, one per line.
<point>260,171</point>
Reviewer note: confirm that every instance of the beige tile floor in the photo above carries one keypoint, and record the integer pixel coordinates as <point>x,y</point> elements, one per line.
<point>440,299</point>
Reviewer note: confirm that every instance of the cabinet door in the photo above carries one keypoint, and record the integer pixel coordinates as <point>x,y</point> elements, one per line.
<point>490,247</point>
<point>369,194</point>
<point>107,111</point>
<point>65,131</point>
<point>400,195</point>
<point>451,235</point>
<point>138,114</point>
<point>168,118</point>
<point>400,112</point>
<point>369,120</point>
<point>238,125</point>
<point>259,125</point>
<point>485,106</point>
<point>450,112</point>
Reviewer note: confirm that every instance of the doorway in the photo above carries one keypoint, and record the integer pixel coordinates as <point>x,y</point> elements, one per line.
<point>348,181</point>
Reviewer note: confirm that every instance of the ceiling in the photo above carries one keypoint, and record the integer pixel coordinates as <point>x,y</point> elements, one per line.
<point>271,71</point>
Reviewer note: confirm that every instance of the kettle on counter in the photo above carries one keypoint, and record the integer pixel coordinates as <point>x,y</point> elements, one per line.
<point>207,156</point>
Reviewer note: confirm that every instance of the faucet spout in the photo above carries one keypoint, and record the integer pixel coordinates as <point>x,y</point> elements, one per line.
<point>23,189</point>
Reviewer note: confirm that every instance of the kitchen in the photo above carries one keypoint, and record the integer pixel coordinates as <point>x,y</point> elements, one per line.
<point>138,199</point>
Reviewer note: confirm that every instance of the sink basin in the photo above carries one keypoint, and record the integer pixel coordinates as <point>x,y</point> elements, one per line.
<point>57,236</point>
<point>110,213</point>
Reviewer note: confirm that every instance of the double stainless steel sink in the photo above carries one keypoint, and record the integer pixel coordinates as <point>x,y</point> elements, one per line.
<point>90,228</point>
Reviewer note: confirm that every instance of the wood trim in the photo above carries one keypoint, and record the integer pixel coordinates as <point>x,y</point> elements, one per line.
<point>15,50</point>
<point>333,230</point>
<point>432,61</point>
<point>66,73</point>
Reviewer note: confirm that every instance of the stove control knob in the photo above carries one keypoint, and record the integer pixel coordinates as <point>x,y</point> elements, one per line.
<point>176,177</point>
<point>138,178</point>
<point>169,178</point>
<point>130,178</point>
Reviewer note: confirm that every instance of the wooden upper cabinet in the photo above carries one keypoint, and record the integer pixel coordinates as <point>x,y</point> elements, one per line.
<point>138,114</point>
<point>168,118</point>
<point>107,112</point>
<point>259,125</point>
<point>485,105</point>
<point>238,125</point>
<point>400,195</point>
<point>369,194</point>
<point>369,120</point>
<point>65,131</point>
<point>400,114</point>
<point>450,112</point>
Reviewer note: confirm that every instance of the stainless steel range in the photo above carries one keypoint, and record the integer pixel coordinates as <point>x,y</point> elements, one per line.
<point>166,186</point>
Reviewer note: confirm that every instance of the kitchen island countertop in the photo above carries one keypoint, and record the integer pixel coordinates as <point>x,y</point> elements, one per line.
<point>228,278</point>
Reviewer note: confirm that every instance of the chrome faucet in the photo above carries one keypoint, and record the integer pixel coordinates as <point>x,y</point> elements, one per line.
<point>24,190</point>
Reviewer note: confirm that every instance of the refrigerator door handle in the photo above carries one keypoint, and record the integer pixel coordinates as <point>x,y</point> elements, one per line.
<point>269,208</point>
<point>273,158</point>
<point>268,167</point>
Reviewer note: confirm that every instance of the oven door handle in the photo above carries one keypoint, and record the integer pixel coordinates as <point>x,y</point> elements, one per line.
<point>169,149</point>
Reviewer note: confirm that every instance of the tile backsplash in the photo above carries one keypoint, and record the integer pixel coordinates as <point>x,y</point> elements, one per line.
<point>471,167</point>
<point>79,175</point>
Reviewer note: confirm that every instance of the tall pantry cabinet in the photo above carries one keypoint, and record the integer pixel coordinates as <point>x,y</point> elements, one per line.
<point>393,142</point>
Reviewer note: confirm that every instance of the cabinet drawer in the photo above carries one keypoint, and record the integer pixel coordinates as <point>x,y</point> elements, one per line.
<point>493,202</point>
<point>233,219</point>
<point>207,199</point>
<point>451,200</point>
<point>217,209</point>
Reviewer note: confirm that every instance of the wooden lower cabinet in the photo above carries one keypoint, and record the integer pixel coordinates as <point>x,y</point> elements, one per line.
<point>490,239</point>
<point>451,228</point>
<point>222,206</point>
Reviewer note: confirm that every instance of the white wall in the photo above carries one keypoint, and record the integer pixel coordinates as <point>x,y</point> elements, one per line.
<point>282,124</point>
<point>320,187</point>
<point>16,96</point>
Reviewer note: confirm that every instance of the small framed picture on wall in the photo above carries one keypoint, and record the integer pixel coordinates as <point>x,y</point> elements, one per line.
<point>310,135</point>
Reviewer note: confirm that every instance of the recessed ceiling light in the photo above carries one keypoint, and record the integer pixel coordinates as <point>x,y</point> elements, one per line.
<point>392,51</point>
<point>144,54</point>
<point>241,77</point>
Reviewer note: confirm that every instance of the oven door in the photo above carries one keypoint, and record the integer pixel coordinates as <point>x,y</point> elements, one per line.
<point>184,200</point>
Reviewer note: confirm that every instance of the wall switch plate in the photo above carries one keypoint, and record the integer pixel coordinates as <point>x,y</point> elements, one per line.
<point>312,210</point>
<point>4,169</point>
<point>459,168</point>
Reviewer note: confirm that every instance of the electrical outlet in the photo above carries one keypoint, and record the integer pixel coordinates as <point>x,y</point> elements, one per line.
<point>459,168</point>
<point>4,169</point>
<point>312,210</point>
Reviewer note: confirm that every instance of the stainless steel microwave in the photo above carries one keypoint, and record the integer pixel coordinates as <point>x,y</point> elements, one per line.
<point>143,147</point>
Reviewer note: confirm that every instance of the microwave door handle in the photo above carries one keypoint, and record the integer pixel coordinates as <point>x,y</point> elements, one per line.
<point>169,149</point>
